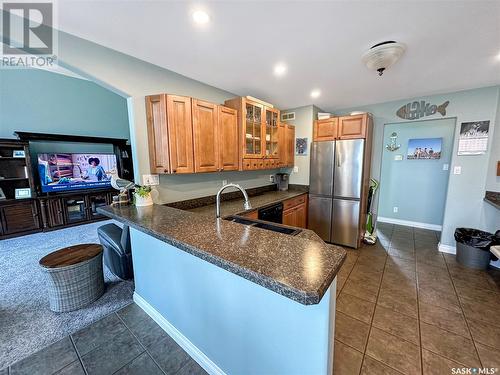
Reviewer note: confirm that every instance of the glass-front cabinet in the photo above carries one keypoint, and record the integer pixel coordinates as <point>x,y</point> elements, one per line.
<point>271,133</point>
<point>253,129</point>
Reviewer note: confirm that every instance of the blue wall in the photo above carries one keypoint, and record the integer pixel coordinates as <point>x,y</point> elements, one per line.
<point>416,187</point>
<point>45,102</point>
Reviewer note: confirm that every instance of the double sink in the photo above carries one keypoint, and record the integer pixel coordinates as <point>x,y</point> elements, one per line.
<point>264,225</point>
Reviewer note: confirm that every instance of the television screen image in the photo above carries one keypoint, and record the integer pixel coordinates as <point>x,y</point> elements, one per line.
<point>64,171</point>
<point>426,148</point>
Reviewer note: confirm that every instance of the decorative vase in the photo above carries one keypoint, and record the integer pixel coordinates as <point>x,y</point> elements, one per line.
<point>143,201</point>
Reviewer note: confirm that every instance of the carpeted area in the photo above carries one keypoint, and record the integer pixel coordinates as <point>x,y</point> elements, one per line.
<point>26,323</point>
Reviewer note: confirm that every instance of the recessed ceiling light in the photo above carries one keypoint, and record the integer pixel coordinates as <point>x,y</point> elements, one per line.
<point>315,93</point>
<point>201,17</point>
<point>280,70</point>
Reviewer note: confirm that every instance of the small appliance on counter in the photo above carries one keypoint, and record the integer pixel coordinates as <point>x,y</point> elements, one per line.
<point>282,181</point>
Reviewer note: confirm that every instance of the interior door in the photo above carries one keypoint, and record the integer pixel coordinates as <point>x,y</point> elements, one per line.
<point>321,170</point>
<point>206,136</point>
<point>348,168</point>
<point>180,131</point>
<point>345,222</point>
<point>229,159</point>
<point>320,216</point>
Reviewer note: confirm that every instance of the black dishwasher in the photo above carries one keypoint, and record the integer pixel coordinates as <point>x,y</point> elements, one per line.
<point>272,213</point>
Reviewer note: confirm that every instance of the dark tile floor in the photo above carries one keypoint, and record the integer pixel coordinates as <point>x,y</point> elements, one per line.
<point>126,342</point>
<point>405,308</point>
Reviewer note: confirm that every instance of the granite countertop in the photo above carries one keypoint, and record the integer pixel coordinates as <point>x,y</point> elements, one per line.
<point>235,206</point>
<point>493,198</point>
<point>299,267</point>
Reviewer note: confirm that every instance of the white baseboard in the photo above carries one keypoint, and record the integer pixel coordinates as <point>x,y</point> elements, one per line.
<point>447,248</point>
<point>179,338</point>
<point>408,223</point>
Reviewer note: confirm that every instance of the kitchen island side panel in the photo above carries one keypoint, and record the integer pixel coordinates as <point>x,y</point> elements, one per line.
<point>242,327</point>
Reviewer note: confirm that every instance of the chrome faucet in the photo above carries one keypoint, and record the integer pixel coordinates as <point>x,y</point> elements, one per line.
<point>246,205</point>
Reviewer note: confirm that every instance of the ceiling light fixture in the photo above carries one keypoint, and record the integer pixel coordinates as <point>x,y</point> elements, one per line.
<point>383,55</point>
<point>280,70</point>
<point>200,17</point>
<point>315,93</point>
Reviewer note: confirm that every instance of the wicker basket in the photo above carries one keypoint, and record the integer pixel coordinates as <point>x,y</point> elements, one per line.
<point>75,286</point>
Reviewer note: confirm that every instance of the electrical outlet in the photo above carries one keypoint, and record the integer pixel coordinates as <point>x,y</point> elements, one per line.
<point>271,178</point>
<point>398,157</point>
<point>457,170</point>
<point>295,169</point>
<point>224,182</point>
<point>150,179</point>
<point>446,167</point>
<point>395,209</point>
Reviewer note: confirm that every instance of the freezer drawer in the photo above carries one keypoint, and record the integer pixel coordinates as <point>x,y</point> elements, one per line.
<point>345,222</point>
<point>320,216</point>
<point>348,168</point>
<point>321,171</point>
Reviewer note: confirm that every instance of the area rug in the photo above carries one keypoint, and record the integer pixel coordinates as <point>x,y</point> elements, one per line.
<point>26,323</point>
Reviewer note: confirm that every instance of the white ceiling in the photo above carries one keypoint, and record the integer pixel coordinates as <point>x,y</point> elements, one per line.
<point>451,45</point>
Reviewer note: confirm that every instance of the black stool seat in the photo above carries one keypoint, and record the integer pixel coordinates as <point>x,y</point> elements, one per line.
<point>117,249</point>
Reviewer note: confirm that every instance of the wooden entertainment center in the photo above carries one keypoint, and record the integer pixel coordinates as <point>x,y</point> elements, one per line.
<point>47,211</point>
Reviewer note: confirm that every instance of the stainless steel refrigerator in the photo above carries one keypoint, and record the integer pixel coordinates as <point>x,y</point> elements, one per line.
<point>335,188</point>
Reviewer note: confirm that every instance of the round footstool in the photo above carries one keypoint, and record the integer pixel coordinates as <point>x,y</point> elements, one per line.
<point>74,276</point>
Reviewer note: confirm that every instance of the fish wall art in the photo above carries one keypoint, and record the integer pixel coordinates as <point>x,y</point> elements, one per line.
<point>419,109</point>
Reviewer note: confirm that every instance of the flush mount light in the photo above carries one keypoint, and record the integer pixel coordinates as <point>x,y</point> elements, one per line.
<point>315,93</point>
<point>280,70</point>
<point>200,17</point>
<point>383,55</point>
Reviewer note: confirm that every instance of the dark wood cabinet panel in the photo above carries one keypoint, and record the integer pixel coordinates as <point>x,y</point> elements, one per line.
<point>55,214</point>
<point>20,216</point>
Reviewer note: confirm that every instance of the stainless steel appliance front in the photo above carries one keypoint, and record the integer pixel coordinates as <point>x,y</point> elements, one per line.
<point>348,168</point>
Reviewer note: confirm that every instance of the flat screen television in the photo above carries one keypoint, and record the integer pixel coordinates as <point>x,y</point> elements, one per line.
<point>65,171</point>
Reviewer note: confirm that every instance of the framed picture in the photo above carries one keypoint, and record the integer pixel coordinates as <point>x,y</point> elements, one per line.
<point>18,154</point>
<point>425,148</point>
<point>2,194</point>
<point>23,193</point>
<point>473,138</point>
<point>301,146</point>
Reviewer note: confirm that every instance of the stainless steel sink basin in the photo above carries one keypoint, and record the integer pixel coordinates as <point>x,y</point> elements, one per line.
<point>264,225</point>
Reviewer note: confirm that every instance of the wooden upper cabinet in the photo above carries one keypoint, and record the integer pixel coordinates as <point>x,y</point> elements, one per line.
<point>270,134</point>
<point>229,157</point>
<point>206,136</point>
<point>180,132</point>
<point>352,127</point>
<point>156,111</point>
<point>290,145</point>
<point>282,158</point>
<point>325,130</point>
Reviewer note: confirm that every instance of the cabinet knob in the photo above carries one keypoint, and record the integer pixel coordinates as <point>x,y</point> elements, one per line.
<point>222,169</point>
<point>174,171</point>
<point>165,170</point>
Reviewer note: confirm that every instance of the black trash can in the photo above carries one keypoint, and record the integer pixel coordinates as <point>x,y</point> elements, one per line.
<point>473,247</point>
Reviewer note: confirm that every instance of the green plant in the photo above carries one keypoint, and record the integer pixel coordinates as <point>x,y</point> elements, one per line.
<point>142,191</point>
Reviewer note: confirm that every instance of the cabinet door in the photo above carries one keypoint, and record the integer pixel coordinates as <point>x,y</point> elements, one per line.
<point>75,209</point>
<point>55,212</point>
<point>180,134</point>
<point>96,201</point>
<point>301,216</point>
<point>282,145</point>
<point>289,217</point>
<point>20,217</point>
<point>156,111</point>
<point>206,137</point>
<point>290,145</point>
<point>271,129</point>
<point>352,127</point>
<point>252,130</point>
<point>229,158</point>
<point>325,130</point>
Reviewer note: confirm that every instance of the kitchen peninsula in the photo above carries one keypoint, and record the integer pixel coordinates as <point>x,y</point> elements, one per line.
<point>239,299</point>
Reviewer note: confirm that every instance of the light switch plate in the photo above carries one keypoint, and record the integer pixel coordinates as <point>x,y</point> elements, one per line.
<point>446,167</point>
<point>295,169</point>
<point>398,157</point>
<point>224,182</point>
<point>457,169</point>
<point>150,179</point>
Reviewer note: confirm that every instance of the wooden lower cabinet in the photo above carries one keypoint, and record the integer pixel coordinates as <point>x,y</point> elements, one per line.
<point>295,211</point>
<point>19,217</point>
<point>252,214</point>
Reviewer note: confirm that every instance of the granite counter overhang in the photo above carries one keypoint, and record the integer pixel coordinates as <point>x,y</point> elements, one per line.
<point>493,198</point>
<point>298,267</point>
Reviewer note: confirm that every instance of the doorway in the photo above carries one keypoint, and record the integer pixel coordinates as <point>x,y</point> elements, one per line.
<point>414,177</point>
